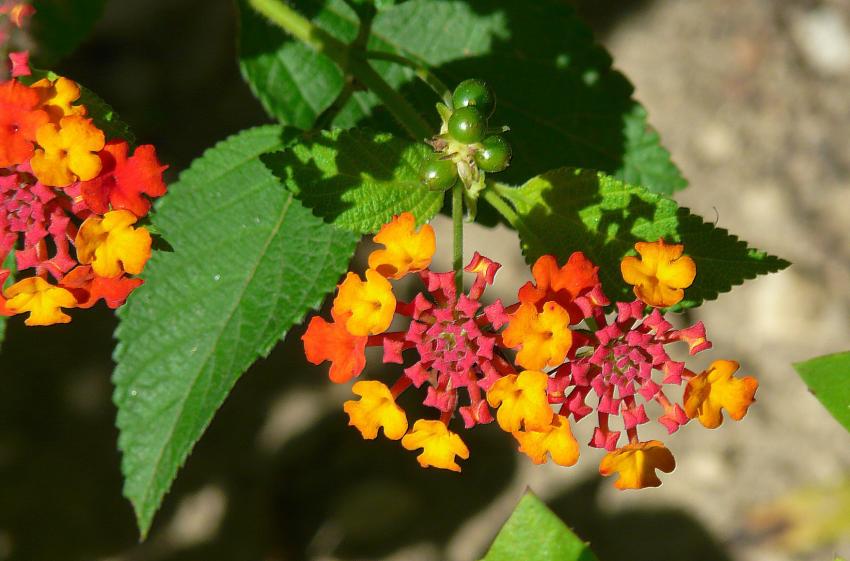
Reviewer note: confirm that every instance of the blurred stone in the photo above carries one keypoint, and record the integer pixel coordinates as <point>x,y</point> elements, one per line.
<point>823,38</point>
<point>197,518</point>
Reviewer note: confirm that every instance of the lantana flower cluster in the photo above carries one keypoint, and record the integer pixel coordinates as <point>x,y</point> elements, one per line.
<point>70,201</point>
<point>561,353</point>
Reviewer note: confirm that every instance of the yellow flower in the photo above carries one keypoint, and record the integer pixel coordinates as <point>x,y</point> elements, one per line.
<point>716,389</point>
<point>556,440</point>
<point>522,401</point>
<point>112,246</point>
<point>407,250</point>
<point>371,304</point>
<point>57,97</point>
<point>439,445</point>
<point>636,463</point>
<point>68,152</point>
<point>41,299</point>
<point>544,338</point>
<point>661,274</point>
<point>376,409</point>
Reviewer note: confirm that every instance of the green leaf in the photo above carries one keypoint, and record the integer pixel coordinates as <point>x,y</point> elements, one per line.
<point>248,262</point>
<point>535,532</point>
<point>102,115</point>
<point>294,83</point>
<point>828,378</point>
<point>555,86</point>
<point>357,180</point>
<point>8,264</point>
<point>59,26</point>
<point>105,117</point>
<point>569,210</point>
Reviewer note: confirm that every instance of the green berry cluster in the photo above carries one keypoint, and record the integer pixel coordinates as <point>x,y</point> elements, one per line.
<point>464,149</point>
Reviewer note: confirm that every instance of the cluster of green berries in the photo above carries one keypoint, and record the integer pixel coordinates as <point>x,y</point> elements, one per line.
<point>465,134</point>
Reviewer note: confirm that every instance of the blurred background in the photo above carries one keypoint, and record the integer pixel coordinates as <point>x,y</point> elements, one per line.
<point>752,98</point>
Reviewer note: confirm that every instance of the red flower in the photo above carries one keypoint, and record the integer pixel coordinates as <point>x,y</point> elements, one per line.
<point>88,288</point>
<point>124,181</point>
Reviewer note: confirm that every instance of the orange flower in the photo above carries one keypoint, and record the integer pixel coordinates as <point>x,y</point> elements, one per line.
<point>69,152</point>
<point>661,273</point>
<point>716,389</point>
<point>112,246</point>
<point>369,306</point>
<point>331,341</point>
<point>544,338</point>
<point>407,251</point>
<point>439,445</point>
<point>564,284</point>
<point>41,299</point>
<point>20,118</point>
<point>57,97</point>
<point>522,401</point>
<point>636,463</point>
<point>377,409</point>
<point>556,440</point>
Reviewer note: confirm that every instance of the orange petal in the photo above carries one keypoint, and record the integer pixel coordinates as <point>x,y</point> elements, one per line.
<point>331,341</point>
<point>543,338</point>
<point>406,250</point>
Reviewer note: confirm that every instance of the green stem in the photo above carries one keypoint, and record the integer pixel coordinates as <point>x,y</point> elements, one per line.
<point>422,72</point>
<point>501,205</point>
<point>457,226</point>
<point>349,60</point>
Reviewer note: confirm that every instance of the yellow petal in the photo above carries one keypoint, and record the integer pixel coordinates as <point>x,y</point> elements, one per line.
<point>636,464</point>
<point>41,299</point>
<point>522,401</point>
<point>556,440</point>
<point>716,389</point>
<point>376,409</point>
<point>439,445</point>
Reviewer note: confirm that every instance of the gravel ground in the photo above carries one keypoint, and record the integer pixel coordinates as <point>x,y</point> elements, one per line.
<point>751,98</point>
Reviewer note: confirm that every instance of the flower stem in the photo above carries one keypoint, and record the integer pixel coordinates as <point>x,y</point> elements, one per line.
<point>457,225</point>
<point>422,72</point>
<point>349,60</point>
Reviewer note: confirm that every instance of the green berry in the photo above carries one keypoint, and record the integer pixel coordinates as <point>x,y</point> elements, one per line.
<point>494,154</point>
<point>438,175</point>
<point>474,92</point>
<point>467,125</point>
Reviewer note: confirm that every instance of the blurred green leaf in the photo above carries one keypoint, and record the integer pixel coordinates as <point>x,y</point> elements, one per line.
<point>59,26</point>
<point>535,532</point>
<point>828,378</point>
<point>569,210</point>
<point>293,82</point>
<point>248,262</point>
<point>555,86</point>
<point>105,117</point>
<point>357,180</point>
